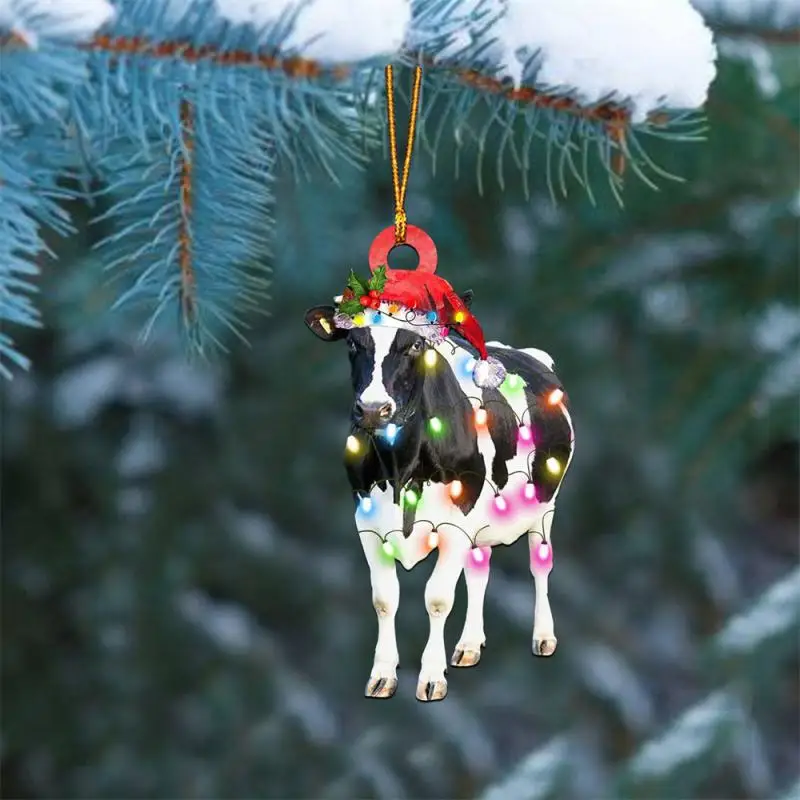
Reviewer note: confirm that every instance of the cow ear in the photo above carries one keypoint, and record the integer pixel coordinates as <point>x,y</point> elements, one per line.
<point>320,322</point>
<point>466,298</point>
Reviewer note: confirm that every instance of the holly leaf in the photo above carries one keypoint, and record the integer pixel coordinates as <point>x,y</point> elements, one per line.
<point>378,279</point>
<point>356,284</point>
<point>350,307</point>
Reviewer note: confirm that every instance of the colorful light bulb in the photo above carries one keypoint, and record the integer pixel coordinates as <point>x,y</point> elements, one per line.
<point>431,316</point>
<point>513,382</point>
<point>478,557</point>
<point>541,556</point>
<point>390,433</point>
<point>481,417</point>
<point>553,465</point>
<point>468,367</point>
<point>500,506</point>
<point>410,497</point>
<point>528,493</point>
<point>459,317</point>
<point>456,489</point>
<point>430,358</point>
<point>366,506</point>
<point>376,318</point>
<point>433,540</point>
<point>435,425</point>
<point>555,397</point>
<point>359,320</point>
<point>352,444</point>
<point>388,549</point>
<point>525,435</point>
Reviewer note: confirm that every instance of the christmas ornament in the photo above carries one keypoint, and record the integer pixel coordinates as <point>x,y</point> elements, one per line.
<point>436,460</point>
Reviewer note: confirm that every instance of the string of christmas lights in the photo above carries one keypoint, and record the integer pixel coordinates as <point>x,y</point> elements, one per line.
<point>436,426</point>
<point>478,557</point>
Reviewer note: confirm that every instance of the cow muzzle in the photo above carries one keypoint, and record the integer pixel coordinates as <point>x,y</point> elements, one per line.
<point>372,416</point>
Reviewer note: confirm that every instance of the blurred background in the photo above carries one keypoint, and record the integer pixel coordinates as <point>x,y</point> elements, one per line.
<point>186,608</point>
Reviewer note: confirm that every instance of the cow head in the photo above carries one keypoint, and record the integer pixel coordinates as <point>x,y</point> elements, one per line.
<point>386,367</point>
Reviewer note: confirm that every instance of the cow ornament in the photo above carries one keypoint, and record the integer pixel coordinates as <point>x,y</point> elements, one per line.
<point>457,445</point>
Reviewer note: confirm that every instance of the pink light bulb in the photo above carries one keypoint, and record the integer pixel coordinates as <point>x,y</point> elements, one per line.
<point>528,494</point>
<point>525,436</point>
<point>479,557</point>
<point>500,506</point>
<point>542,556</point>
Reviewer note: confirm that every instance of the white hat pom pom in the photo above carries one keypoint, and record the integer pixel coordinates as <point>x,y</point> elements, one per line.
<point>488,374</point>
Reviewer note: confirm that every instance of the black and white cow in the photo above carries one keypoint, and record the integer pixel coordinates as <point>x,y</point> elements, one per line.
<point>484,467</point>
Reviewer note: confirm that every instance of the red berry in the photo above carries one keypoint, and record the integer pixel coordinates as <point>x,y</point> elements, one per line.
<point>364,300</point>
<point>373,293</point>
<point>375,303</point>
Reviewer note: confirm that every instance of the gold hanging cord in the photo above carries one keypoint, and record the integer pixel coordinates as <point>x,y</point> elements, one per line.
<point>401,186</point>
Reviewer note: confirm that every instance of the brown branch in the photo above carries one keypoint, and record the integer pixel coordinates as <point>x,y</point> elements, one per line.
<point>768,35</point>
<point>295,67</point>
<point>185,51</point>
<point>188,283</point>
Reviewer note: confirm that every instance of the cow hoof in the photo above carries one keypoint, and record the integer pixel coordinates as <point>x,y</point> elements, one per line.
<point>464,656</point>
<point>544,647</point>
<point>432,690</point>
<point>381,687</point>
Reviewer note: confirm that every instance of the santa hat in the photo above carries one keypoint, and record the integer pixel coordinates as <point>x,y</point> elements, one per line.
<point>421,300</point>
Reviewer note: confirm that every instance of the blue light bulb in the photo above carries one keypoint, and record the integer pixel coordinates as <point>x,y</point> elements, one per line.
<point>390,433</point>
<point>366,506</point>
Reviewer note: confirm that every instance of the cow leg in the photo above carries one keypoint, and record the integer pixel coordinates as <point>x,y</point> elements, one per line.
<point>439,596</point>
<point>385,599</point>
<point>541,553</point>
<point>468,649</point>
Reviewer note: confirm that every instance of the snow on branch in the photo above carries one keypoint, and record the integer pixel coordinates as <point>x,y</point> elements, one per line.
<point>124,73</point>
<point>699,735</point>
<point>775,614</point>
<point>773,20</point>
<point>544,773</point>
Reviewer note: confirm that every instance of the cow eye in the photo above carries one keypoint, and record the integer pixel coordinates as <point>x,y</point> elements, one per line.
<point>416,347</point>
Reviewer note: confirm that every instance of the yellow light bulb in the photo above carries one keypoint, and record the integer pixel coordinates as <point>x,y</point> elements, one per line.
<point>459,317</point>
<point>553,465</point>
<point>352,444</point>
<point>359,319</point>
<point>556,396</point>
<point>433,540</point>
<point>430,358</point>
<point>481,416</point>
<point>456,487</point>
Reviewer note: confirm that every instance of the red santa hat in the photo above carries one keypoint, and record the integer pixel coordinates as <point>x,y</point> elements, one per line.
<point>423,292</point>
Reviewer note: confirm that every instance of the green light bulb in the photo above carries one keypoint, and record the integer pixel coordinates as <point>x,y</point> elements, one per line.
<point>388,549</point>
<point>435,424</point>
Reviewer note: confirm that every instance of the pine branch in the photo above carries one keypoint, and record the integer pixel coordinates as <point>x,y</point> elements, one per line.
<point>542,774</point>
<point>191,222</point>
<point>778,36</point>
<point>28,200</point>
<point>233,71</point>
